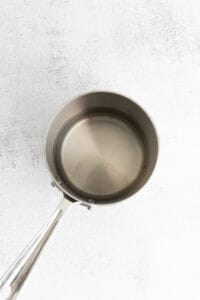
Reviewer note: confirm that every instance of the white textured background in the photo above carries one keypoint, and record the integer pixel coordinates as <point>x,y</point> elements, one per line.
<point>147,248</point>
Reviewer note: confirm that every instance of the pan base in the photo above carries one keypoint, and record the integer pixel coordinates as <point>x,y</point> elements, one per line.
<point>101,155</point>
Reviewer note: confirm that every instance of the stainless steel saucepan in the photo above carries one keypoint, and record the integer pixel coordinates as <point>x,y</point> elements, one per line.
<point>101,148</point>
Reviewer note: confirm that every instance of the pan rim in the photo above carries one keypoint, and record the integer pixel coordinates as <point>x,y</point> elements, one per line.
<point>76,198</point>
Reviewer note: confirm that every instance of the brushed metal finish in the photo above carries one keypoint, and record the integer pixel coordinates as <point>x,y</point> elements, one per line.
<point>100,148</point>
<point>101,155</point>
<point>111,157</point>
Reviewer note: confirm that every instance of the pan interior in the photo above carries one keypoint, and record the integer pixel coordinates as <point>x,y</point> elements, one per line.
<point>100,155</point>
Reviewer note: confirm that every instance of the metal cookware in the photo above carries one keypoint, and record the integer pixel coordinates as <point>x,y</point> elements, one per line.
<point>101,148</point>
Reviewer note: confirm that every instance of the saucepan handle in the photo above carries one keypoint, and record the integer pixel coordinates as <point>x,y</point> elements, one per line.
<point>16,275</point>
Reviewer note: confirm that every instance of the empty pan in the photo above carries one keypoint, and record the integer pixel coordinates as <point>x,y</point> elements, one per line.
<point>101,148</point>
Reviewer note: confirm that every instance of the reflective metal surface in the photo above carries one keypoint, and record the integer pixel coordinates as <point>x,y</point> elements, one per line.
<point>101,155</point>
<point>12,281</point>
<point>101,148</point>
